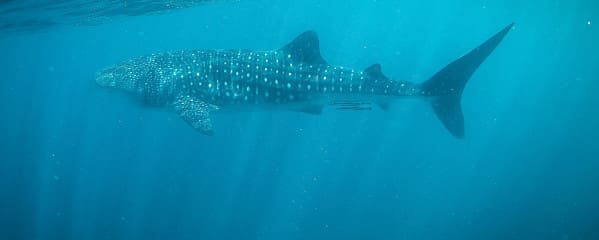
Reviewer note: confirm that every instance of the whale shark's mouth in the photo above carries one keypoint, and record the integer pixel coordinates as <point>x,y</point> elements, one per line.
<point>106,78</point>
<point>120,76</point>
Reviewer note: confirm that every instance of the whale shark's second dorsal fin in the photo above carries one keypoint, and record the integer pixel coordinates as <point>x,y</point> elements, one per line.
<point>374,75</point>
<point>305,48</point>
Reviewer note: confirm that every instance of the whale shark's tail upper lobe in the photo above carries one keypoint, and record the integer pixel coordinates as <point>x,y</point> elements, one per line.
<point>448,84</point>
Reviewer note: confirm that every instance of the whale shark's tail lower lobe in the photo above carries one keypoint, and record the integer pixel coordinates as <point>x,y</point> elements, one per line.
<point>448,84</point>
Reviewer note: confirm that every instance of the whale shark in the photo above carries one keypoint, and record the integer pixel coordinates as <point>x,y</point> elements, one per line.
<point>196,83</point>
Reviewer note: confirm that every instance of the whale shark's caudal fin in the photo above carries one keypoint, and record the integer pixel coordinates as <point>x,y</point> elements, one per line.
<point>448,84</point>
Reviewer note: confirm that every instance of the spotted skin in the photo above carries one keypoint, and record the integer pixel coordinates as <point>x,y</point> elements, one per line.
<point>233,78</point>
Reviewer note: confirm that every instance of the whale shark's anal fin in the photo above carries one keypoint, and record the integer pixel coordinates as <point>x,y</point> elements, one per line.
<point>313,109</point>
<point>385,106</point>
<point>195,112</point>
<point>305,48</point>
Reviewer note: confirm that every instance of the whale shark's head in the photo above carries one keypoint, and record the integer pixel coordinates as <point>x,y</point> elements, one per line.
<point>123,77</point>
<point>138,77</point>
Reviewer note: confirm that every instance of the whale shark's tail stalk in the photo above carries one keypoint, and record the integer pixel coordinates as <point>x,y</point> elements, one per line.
<point>448,84</point>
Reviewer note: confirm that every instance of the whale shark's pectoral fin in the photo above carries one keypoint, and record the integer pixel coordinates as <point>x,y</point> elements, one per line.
<point>196,113</point>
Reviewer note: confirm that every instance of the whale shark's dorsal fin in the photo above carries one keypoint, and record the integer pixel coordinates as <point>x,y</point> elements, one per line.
<point>305,48</point>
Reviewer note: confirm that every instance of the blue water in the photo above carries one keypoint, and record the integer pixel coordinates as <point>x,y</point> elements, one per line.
<point>82,162</point>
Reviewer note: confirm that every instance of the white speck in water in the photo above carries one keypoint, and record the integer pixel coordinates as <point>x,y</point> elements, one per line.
<point>588,22</point>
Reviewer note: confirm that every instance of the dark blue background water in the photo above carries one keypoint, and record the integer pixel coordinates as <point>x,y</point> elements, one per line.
<point>81,162</point>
